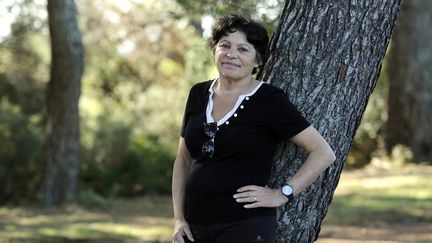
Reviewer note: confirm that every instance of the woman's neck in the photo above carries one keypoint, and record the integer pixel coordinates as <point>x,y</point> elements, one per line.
<point>242,86</point>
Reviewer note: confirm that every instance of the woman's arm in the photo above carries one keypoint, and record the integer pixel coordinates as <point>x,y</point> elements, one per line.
<point>320,156</point>
<point>181,167</point>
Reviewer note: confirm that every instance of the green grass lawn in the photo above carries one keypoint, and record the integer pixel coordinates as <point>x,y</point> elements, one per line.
<point>401,196</point>
<point>398,197</point>
<point>146,219</point>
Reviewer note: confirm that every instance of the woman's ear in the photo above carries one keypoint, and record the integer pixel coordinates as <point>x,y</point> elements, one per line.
<point>258,63</point>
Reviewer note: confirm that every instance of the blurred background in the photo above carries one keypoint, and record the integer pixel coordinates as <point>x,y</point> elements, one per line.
<point>141,58</point>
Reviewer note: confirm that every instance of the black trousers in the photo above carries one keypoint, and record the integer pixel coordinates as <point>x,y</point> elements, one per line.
<point>258,229</point>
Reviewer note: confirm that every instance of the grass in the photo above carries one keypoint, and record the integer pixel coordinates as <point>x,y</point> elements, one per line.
<point>146,219</point>
<point>363,198</point>
<point>387,197</point>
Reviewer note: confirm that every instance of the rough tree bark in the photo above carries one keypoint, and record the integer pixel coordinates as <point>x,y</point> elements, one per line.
<point>62,118</point>
<point>410,81</point>
<point>327,56</point>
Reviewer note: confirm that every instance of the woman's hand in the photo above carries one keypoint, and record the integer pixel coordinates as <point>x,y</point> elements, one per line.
<point>258,196</point>
<point>181,228</point>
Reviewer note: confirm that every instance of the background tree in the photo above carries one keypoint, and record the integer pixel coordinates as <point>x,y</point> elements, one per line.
<point>62,120</point>
<point>327,56</point>
<point>410,82</point>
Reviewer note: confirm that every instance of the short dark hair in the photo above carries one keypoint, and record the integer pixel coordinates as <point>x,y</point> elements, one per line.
<point>255,33</point>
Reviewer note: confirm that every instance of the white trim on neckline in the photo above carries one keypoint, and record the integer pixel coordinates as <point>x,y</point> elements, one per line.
<point>227,116</point>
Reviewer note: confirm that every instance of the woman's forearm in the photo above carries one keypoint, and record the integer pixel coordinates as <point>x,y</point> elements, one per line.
<point>178,188</point>
<point>320,156</point>
<point>314,165</point>
<point>180,171</point>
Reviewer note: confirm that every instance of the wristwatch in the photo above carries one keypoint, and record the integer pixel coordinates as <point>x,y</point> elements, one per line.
<point>287,191</point>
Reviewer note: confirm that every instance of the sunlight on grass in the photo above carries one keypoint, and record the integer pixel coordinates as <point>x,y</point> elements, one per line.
<point>392,183</point>
<point>126,220</point>
<point>113,230</point>
<point>382,199</point>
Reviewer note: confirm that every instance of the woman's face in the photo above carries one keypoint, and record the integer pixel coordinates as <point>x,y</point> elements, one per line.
<point>235,57</point>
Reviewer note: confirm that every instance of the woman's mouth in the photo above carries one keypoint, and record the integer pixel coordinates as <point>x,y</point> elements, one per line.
<point>230,65</point>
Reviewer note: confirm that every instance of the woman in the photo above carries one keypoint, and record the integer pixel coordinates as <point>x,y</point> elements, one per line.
<point>230,130</point>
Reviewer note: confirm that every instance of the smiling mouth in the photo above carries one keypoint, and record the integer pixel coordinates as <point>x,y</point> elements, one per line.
<point>229,64</point>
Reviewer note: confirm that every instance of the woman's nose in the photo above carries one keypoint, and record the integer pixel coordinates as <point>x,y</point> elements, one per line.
<point>231,55</point>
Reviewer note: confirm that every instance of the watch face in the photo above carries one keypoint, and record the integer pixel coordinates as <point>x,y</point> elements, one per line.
<point>287,190</point>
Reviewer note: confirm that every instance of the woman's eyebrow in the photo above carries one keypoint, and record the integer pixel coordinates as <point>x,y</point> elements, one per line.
<point>245,44</point>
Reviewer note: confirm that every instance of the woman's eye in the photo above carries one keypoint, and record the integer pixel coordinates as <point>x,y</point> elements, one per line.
<point>243,50</point>
<point>224,46</point>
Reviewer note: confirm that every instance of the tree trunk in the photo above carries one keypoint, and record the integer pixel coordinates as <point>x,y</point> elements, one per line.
<point>327,56</point>
<point>62,125</point>
<point>410,82</point>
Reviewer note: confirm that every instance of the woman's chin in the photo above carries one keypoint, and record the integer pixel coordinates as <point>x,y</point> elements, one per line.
<point>231,75</point>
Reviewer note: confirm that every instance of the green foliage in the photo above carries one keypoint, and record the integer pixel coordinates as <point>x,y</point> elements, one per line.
<point>23,72</point>
<point>119,163</point>
<point>133,98</point>
<point>401,155</point>
<point>140,63</point>
<point>19,152</point>
<point>265,12</point>
<point>92,200</point>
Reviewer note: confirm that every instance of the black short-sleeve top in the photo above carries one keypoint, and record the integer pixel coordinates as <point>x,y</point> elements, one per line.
<point>244,146</point>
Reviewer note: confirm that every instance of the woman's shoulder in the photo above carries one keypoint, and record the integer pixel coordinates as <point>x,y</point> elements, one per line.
<point>270,92</point>
<point>273,96</point>
<point>271,89</point>
<point>201,86</point>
